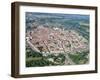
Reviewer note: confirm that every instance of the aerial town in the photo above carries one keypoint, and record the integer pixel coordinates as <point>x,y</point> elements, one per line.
<point>56,40</point>
<point>52,44</point>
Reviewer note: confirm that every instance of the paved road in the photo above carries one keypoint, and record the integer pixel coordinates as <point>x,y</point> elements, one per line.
<point>69,60</point>
<point>32,46</point>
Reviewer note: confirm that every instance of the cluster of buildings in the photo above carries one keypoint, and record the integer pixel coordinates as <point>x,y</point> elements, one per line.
<point>55,40</point>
